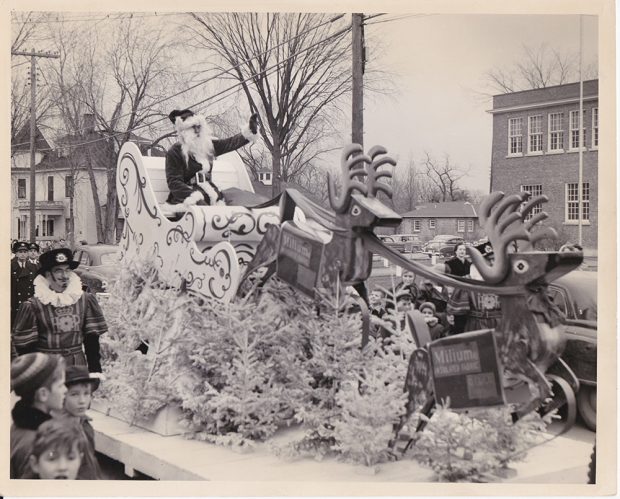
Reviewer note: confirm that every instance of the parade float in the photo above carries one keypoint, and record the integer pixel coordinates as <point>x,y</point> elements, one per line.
<point>237,357</point>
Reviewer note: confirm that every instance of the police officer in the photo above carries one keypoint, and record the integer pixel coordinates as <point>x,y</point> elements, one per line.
<point>22,274</point>
<point>33,254</point>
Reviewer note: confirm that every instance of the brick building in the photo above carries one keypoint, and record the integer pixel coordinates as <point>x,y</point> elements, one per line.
<point>535,149</point>
<point>458,218</point>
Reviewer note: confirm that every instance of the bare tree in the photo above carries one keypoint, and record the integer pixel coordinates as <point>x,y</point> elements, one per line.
<point>292,68</point>
<point>405,186</point>
<point>538,67</point>
<point>121,82</point>
<point>444,177</point>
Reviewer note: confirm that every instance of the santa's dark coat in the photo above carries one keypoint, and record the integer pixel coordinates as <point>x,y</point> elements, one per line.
<point>179,173</point>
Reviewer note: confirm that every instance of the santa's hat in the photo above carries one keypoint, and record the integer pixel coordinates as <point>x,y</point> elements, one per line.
<point>183,114</point>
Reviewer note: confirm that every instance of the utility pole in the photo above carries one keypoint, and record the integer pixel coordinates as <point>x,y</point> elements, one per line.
<point>33,127</point>
<point>357,115</point>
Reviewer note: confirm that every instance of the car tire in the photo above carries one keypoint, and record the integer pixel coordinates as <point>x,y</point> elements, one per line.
<point>586,405</point>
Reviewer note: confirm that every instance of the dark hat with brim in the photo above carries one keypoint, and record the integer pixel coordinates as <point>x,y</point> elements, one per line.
<point>183,114</point>
<point>52,258</point>
<point>34,246</point>
<point>79,374</point>
<point>20,245</point>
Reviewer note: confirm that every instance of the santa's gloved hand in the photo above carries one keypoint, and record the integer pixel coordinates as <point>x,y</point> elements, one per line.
<point>254,123</point>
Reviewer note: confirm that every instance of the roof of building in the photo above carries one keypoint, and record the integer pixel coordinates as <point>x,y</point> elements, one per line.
<point>447,209</point>
<point>22,140</point>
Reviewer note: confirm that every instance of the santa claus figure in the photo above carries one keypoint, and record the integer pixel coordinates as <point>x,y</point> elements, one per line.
<point>189,161</point>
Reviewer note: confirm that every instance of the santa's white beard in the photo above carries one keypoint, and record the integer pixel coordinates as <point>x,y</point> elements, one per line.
<point>198,146</point>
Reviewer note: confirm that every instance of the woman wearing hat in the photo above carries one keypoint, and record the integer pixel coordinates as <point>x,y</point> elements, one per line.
<point>194,153</point>
<point>22,276</point>
<point>60,318</point>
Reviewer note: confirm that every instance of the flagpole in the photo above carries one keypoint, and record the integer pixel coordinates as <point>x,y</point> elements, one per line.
<point>581,136</point>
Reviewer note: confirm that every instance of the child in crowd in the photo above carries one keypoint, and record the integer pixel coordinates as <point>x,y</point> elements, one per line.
<point>432,321</point>
<point>57,451</point>
<point>408,283</point>
<point>39,379</point>
<point>80,387</point>
<point>376,303</point>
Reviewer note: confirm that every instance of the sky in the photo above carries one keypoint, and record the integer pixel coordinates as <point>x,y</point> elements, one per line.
<point>440,62</point>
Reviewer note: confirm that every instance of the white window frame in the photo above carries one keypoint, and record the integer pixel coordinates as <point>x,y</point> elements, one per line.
<point>534,190</point>
<point>571,203</point>
<point>574,130</point>
<point>556,133</point>
<point>460,225</point>
<point>535,136</point>
<point>515,136</point>
<point>416,225</point>
<point>595,128</point>
<point>470,225</point>
<point>432,223</point>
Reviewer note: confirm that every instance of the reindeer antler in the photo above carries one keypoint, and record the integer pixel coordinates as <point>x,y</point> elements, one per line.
<point>349,170</point>
<point>374,175</point>
<point>499,233</point>
<point>539,217</point>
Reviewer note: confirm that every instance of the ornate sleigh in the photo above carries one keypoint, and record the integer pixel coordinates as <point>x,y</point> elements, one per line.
<point>202,248</point>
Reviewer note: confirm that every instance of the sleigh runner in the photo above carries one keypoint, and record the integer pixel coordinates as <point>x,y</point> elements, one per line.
<point>202,248</point>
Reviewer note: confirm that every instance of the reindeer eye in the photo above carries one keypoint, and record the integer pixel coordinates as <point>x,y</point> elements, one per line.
<point>356,210</point>
<point>520,266</point>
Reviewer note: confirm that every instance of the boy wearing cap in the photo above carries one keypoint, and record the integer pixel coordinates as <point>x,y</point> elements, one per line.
<point>427,309</point>
<point>39,380</point>
<point>23,274</point>
<point>60,318</point>
<point>194,153</point>
<point>57,451</point>
<point>80,387</point>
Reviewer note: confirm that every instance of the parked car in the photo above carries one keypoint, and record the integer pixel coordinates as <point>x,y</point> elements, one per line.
<point>393,242</point>
<point>575,294</point>
<point>99,266</point>
<point>443,245</point>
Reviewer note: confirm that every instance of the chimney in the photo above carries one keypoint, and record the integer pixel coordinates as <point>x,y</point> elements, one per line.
<point>89,123</point>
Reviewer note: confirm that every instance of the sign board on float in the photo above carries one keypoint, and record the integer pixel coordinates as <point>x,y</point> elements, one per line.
<point>466,369</point>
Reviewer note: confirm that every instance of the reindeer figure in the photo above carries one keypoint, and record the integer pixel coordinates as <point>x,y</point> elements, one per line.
<point>355,210</point>
<point>530,334</point>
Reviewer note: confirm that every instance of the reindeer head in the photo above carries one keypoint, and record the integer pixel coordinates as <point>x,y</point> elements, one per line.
<point>505,221</point>
<point>362,208</point>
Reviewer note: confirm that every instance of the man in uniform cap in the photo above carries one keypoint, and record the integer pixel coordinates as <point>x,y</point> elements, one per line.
<point>60,318</point>
<point>22,276</point>
<point>33,254</point>
<point>194,154</point>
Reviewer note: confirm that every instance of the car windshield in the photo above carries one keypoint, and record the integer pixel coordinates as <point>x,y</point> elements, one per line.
<point>111,258</point>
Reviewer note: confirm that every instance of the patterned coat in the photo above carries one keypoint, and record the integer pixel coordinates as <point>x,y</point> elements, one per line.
<point>21,284</point>
<point>180,174</point>
<point>72,331</point>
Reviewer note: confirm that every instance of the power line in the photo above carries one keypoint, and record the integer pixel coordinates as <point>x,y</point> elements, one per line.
<point>119,17</point>
<point>224,72</point>
<point>266,71</point>
<point>399,18</point>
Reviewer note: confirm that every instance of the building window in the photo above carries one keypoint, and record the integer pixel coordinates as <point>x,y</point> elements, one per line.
<point>572,202</point>
<point>556,132</point>
<point>534,190</point>
<point>47,226</point>
<point>432,223</point>
<point>21,227</point>
<point>460,225</point>
<point>50,188</point>
<point>69,186</point>
<point>470,225</point>
<point>21,188</point>
<point>574,129</point>
<point>267,176</point>
<point>595,127</point>
<point>515,136</point>
<point>535,134</point>
<point>416,225</point>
